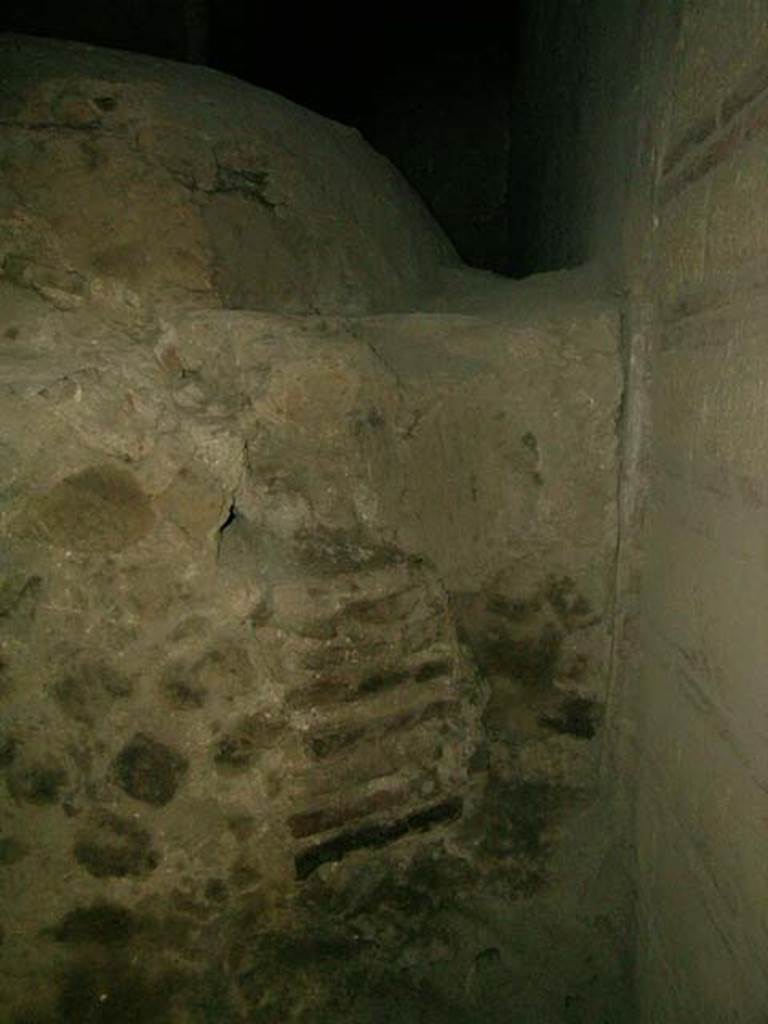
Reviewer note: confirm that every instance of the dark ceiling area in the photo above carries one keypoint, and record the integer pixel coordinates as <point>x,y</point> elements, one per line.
<point>430,90</point>
<point>347,62</point>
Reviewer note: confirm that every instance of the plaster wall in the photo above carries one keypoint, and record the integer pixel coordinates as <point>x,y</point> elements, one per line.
<point>677,179</point>
<point>702,708</point>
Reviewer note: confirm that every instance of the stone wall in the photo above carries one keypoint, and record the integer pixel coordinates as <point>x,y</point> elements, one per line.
<point>241,199</point>
<point>305,619</point>
<point>233,575</point>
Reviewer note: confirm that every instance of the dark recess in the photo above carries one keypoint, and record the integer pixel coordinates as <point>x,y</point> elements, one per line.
<point>375,836</point>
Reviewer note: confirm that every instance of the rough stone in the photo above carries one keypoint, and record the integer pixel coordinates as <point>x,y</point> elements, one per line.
<point>238,198</point>
<point>115,847</point>
<point>279,592</point>
<point>38,782</point>
<point>148,770</point>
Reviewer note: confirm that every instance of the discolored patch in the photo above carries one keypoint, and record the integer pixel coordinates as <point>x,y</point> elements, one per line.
<point>74,111</point>
<point>106,103</point>
<point>511,609</point>
<point>375,836</point>
<point>101,508</point>
<point>531,660</point>
<point>126,260</point>
<point>149,771</point>
<point>9,747</point>
<point>520,828</point>
<point>367,420</point>
<point>315,969</point>
<point>242,826</point>
<point>19,594</point>
<point>86,693</point>
<point>529,809</point>
<point>15,267</point>
<point>115,847</point>
<point>183,694</point>
<point>11,851</point>
<point>225,670</point>
<point>211,999</point>
<point>516,637</point>
<point>576,716</point>
<point>325,552</point>
<point>249,183</point>
<point>95,158</point>
<point>36,782</point>
<point>117,992</point>
<point>530,442</point>
<point>381,682</point>
<point>103,923</point>
<point>534,660</point>
<point>246,871</point>
<point>340,738</point>
<point>245,741</point>
<point>187,905</point>
<point>571,607</point>
<point>391,608</point>
<point>216,890</point>
<point>323,819</point>
<point>174,931</point>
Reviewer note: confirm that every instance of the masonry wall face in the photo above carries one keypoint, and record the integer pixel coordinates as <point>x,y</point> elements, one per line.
<point>303,612</point>
<point>701,700</point>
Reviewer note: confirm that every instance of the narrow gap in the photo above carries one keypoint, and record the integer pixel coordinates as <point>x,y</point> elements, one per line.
<point>230,518</point>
